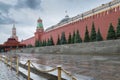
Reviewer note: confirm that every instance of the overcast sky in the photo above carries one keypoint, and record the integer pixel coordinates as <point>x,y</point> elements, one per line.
<point>24,13</point>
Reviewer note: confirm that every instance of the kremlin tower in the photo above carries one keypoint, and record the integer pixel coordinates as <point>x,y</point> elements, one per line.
<point>39,30</point>
<point>14,33</point>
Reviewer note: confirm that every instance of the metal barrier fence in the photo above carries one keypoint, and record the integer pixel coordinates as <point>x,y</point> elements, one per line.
<point>7,60</point>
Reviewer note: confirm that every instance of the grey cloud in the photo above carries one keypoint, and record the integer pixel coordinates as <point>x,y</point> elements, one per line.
<point>4,7</point>
<point>32,4</point>
<point>4,11</point>
<point>5,20</point>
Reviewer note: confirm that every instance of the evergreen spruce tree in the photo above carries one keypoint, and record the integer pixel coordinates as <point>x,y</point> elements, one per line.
<point>93,33</point>
<point>48,42</point>
<point>51,41</point>
<point>86,38</point>
<point>45,43</point>
<point>111,33</point>
<point>118,29</point>
<point>98,36</point>
<point>37,43</point>
<point>29,46</point>
<point>73,37</point>
<point>63,38</point>
<point>77,37</point>
<point>69,39</point>
<point>42,43</point>
<point>58,41</point>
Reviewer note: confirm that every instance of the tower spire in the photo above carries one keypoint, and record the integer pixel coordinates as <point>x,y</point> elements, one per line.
<point>13,25</point>
<point>14,32</point>
<point>66,16</point>
<point>66,12</point>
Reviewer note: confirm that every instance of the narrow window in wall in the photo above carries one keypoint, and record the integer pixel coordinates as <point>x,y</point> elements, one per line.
<point>116,9</point>
<point>104,13</point>
<point>107,12</point>
<point>113,10</point>
<point>93,16</point>
<point>98,15</point>
<point>110,10</point>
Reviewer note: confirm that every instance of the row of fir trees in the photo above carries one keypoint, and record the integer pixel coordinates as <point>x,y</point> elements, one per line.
<point>76,38</point>
<point>112,33</point>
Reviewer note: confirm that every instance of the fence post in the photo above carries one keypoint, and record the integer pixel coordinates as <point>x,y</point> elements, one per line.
<point>17,66</point>
<point>0,58</point>
<point>28,69</point>
<point>73,79</point>
<point>6,61</point>
<point>10,62</point>
<point>59,72</point>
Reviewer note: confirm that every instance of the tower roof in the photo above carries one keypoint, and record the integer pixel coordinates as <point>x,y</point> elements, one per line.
<point>39,23</point>
<point>64,19</point>
<point>39,20</point>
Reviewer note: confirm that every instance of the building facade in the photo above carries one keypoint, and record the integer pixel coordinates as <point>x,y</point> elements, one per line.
<point>12,43</point>
<point>102,16</point>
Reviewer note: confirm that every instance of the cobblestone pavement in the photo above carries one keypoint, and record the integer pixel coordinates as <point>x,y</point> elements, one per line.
<point>7,74</point>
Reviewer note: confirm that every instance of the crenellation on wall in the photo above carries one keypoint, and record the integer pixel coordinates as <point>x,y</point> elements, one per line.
<point>95,11</point>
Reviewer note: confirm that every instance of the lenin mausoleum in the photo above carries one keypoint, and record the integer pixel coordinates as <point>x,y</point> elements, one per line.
<point>12,43</point>
<point>102,16</point>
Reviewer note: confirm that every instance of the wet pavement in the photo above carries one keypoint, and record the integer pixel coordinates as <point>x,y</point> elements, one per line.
<point>99,67</point>
<point>7,74</point>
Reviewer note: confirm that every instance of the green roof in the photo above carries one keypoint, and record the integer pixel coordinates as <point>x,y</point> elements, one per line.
<point>40,25</point>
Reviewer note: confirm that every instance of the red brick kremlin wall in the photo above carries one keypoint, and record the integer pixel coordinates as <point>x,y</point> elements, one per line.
<point>101,20</point>
<point>29,41</point>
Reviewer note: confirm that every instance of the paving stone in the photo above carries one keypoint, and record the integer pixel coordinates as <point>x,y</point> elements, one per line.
<point>7,74</point>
